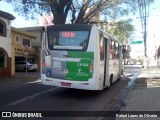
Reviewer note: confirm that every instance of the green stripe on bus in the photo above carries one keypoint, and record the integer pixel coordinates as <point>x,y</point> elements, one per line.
<point>80,71</point>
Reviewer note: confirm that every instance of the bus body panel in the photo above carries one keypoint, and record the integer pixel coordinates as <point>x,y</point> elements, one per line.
<point>80,69</point>
<point>77,66</point>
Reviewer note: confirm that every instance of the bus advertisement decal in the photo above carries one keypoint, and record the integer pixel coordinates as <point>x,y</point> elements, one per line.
<point>80,71</point>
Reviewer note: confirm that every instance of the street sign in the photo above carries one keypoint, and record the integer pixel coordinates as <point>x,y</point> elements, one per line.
<point>136,42</point>
<point>25,51</point>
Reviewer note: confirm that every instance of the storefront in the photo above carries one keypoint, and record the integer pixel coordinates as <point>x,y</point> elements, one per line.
<point>5,63</point>
<point>21,39</point>
<point>5,43</point>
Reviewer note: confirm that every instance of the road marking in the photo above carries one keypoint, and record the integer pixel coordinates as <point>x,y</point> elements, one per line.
<point>18,101</point>
<point>36,81</point>
<point>32,96</point>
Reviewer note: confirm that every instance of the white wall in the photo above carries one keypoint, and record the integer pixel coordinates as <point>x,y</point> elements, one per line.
<point>5,42</point>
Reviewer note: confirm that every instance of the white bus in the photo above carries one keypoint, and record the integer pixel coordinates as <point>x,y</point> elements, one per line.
<point>80,56</point>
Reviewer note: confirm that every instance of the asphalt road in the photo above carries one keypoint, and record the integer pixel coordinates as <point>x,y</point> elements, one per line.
<point>33,96</point>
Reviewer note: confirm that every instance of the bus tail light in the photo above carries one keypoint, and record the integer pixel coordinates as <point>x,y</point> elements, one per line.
<point>43,63</point>
<point>48,80</point>
<point>91,67</point>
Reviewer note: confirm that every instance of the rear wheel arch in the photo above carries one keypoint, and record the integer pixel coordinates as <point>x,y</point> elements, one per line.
<point>122,72</point>
<point>111,79</point>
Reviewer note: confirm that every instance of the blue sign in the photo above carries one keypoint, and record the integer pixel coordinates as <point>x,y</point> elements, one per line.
<point>48,73</point>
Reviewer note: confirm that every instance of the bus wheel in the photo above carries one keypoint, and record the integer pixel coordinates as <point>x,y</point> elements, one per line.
<point>122,72</point>
<point>111,79</point>
<point>120,75</point>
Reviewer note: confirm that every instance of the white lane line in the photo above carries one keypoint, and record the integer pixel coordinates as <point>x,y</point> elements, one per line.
<point>38,81</point>
<point>18,101</point>
<point>52,89</point>
<point>32,96</point>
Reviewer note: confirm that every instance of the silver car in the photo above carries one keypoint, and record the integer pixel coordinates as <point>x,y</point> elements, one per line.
<point>21,66</point>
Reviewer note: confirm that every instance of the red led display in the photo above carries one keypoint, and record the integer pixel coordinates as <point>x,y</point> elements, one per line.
<point>68,34</point>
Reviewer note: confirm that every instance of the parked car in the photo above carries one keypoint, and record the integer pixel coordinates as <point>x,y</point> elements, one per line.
<point>21,66</point>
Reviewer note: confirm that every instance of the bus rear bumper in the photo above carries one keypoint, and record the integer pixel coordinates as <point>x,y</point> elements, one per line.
<point>86,85</point>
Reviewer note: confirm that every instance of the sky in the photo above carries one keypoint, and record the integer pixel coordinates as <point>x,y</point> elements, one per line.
<point>153,31</point>
<point>19,20</point>
<point>153,26</point>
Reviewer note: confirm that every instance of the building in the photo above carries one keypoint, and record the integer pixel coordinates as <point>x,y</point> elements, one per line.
<point>5,43</point>
<point>38,32</point>
<point>20,40</point>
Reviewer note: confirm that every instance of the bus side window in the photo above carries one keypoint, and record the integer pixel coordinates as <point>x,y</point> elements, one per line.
<point>111,50</point>
<point>102,49</point>
<point>116,50</point>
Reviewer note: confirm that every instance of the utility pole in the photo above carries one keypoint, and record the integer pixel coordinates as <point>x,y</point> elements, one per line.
<point>145,37</point>
<point>143,15</point>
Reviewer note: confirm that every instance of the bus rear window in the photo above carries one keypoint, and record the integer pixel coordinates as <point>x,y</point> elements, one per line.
<point>71,40</point>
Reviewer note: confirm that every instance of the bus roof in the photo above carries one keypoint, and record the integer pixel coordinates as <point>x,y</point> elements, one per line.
<point>70,27</point>
<point>110,36</point>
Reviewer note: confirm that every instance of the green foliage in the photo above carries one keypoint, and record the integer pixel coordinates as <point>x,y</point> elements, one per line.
<point>122,30</point>
<point>82,10</point>
<point>29,8</point>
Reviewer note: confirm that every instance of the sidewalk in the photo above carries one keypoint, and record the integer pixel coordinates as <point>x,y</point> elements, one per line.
<point>20,77</point>
<point>145,94</point>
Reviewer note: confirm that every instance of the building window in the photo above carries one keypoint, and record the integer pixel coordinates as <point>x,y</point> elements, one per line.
<point>111,50</point>
<point>117,50</point>
<point>26,42</point>
<point>2,28</point>
<point>102,45</point>
<point>17,39</point>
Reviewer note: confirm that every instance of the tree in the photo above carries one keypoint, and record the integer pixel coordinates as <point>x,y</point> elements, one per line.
<point>31,8</point>
<point>122,29</point>
<point>82,11</point>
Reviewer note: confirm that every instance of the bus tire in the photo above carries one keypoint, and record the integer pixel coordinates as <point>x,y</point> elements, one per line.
<point>119,78</point>
<point>122,72</point>
<point>111,79</point>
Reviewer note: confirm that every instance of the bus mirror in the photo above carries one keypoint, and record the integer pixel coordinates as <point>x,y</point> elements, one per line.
<point>48,61</point>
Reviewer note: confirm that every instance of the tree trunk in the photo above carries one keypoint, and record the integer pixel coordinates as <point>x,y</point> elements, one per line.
<point>59,19</point>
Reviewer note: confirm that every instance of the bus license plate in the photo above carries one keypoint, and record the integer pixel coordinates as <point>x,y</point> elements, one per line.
<point>65,84</point>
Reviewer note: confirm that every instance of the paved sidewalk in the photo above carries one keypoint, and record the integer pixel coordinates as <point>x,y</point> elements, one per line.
<point>145,94</point>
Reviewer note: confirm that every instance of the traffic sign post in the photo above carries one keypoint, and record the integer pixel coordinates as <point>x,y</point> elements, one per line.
<point>26,54</point>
